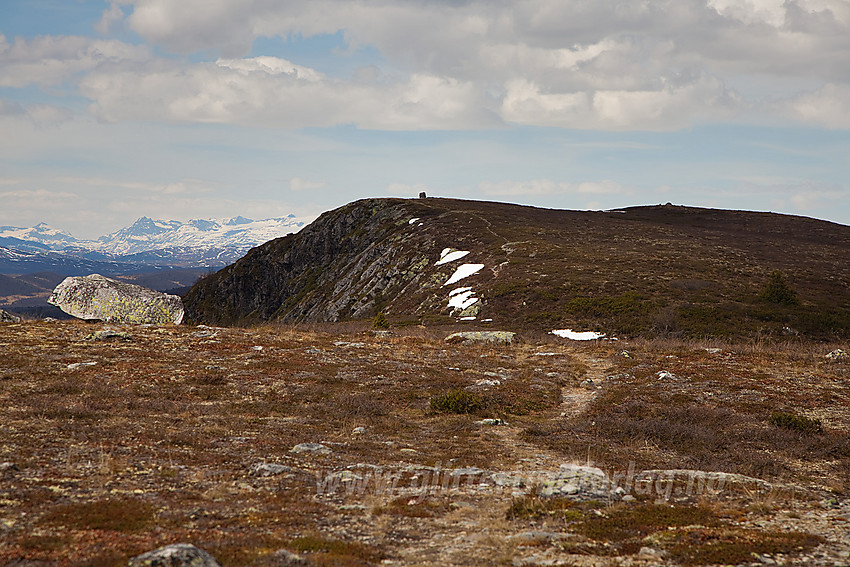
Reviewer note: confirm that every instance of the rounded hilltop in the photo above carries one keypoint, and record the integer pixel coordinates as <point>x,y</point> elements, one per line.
<point>658,270</point>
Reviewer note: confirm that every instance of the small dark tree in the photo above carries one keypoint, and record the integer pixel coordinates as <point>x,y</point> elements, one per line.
<point>778,291</point>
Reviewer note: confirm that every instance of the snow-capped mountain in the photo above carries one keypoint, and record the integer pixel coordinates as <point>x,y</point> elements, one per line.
<point>147,242</point>
<point>38,238</point>
<point>236,233</point>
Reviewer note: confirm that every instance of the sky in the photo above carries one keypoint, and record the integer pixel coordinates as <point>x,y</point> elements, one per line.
<point>181,109</point>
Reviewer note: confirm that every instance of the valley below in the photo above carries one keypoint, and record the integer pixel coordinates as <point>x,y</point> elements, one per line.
<point>333,444</point>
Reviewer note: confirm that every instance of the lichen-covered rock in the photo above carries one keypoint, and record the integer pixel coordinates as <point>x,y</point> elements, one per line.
<point>579,482</point>
<point>471,337</point>
<point>98,298</point>
<point>6,317</point>
<point>176,555</point>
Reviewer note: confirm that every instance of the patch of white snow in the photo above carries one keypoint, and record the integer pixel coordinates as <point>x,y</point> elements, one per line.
<point>449,255</point>
<point>467,318</point>
<point>464,271</point>
<point>463,300</point>
<point>413,220</point>
<point>577,335</point>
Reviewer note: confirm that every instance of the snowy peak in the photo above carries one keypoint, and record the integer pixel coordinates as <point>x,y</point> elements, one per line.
<point>41,232</point>
<point>222,240</point>
<point>148,234</point>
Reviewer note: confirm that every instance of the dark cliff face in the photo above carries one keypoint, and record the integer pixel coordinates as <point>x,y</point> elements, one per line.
<point>341,266</point>
<point>661,270</point>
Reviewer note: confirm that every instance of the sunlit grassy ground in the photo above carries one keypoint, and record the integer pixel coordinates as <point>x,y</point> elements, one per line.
<point>155,442</point>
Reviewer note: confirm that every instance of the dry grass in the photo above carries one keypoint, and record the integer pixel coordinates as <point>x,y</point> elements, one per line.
<point>156,441</point>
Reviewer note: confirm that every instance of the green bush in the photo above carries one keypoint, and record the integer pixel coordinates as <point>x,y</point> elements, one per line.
<point>795,422</point>
<point>456,401</point>
<point>778,291</point>
<point>380,322</point>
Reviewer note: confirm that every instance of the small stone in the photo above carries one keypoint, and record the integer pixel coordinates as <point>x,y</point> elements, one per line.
<point>358,431</point>
<point>109,334</point>
<point>270,469</point>
<point>7,468</point>
<point>76,365</point>
<point>316,448</point>
<point>588,383</point>
<point>837,354</point>
<point>203,334</point>
<point>629,498</point>
<point>665,375</point>
<point>6,317</point>
<point>176,555</point>
<point>649,551</point>
<point>285,557</point>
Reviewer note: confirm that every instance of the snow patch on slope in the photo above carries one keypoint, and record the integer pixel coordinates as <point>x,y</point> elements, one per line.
<point>464,271</point>
<point>578,335</point>
<point>450,255</point>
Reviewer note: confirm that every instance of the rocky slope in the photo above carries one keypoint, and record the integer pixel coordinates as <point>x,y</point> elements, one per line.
<point>661,270</point>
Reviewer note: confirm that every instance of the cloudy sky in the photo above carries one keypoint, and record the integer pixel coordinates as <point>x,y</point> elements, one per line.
<point>178,109</point>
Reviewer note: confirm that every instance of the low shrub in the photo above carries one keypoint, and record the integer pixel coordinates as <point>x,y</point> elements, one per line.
<point>456,401</point>
<point>795,422</point>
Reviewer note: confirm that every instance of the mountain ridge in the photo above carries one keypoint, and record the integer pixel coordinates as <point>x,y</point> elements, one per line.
<point>653,270</point>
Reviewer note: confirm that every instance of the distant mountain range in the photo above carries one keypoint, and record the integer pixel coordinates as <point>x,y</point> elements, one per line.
<point>146,244</point>
<point>164,255</point>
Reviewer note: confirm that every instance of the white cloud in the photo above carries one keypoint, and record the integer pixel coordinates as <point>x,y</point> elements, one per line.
<point>608,64</point>
<point>50,60</point>
<point>111,16</point>
<point>828,107</point>
<point>272,92</point>
<point>538,187</point>
<point>298,184</point>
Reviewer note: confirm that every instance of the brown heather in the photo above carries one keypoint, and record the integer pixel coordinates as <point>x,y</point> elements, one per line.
<point>155,443</point>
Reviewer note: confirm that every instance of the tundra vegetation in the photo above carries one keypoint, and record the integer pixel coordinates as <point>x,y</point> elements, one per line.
<point>414,451</point>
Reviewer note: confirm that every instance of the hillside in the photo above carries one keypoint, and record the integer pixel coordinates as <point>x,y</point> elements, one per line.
<point>657,270</point>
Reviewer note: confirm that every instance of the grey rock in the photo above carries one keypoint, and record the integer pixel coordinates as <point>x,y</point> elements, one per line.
<point>580,483</point>
<point>286,557</point>
<point>7,469</point>
<point>837,354</point>
<point>482,337</point>
<point>6,317</point>
<point>176,555</point>
<point>98,298</point>
<point>317,448</point>
<point>108,334</point>
<point>270,469</point>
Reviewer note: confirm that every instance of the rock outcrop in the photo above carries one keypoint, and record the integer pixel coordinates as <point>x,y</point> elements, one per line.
<point>96,298</point>
<point>482,337</point>
<point>346,264</point>
<point>176,555</point>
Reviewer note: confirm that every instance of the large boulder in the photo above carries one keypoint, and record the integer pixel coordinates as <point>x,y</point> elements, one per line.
<point>176,555</point>
<point>98,298</point>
